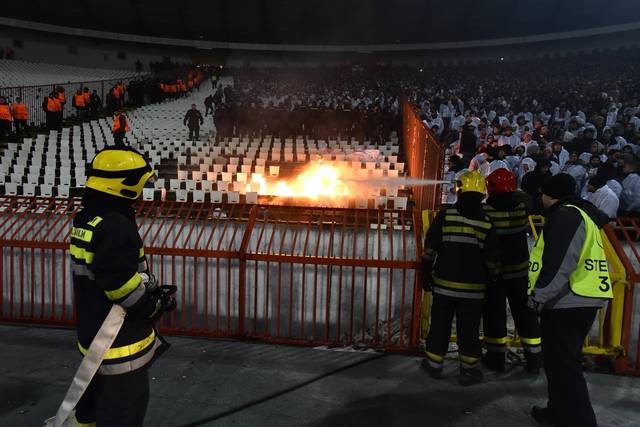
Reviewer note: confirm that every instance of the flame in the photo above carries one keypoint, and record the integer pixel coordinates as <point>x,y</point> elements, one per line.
<point>319,180</point>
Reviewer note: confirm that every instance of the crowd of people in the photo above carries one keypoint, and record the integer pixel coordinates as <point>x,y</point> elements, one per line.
<point>346,101</point>
<point>582,118</point>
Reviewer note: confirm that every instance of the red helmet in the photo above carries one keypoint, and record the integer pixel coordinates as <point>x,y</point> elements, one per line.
<point>501,181</point>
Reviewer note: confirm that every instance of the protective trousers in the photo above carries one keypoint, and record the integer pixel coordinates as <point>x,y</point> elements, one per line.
<point>115,400</point>
<point>468,312</point>
<point>495,317</point>
<point>563,334</point>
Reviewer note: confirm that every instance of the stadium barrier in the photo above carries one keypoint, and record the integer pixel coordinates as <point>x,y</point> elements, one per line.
<point>617,323</point>
<point>281,274</point>
<point>33,96</point>
<point>425,157</point>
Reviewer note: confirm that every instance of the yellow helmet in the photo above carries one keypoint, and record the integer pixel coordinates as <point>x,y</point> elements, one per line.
<point>120,172</point>
<point>471,181</point>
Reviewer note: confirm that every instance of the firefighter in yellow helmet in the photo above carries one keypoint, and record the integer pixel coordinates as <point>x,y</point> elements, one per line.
<point>461,258</point>
<point>109,268</point>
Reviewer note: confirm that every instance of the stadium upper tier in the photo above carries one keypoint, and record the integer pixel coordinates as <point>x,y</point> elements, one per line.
<point>22,73</point>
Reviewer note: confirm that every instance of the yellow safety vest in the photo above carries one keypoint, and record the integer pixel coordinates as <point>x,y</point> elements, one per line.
<point>591,277</point>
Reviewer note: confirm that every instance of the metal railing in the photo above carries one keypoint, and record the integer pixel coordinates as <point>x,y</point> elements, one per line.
<point>281,274</point>
<point>33,96</point>
<point>425,157</point>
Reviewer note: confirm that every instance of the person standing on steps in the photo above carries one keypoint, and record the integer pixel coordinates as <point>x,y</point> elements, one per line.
<point>193,120</point>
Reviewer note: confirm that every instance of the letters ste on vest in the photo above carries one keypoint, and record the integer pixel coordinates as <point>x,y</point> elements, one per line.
<point>591,277</point>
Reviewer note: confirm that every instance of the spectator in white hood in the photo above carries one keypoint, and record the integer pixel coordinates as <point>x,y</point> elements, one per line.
<point>612,115</point>
<point>507,138</point>
<point>559,155</point>
<point>630,199</point>
<point>497,164</point>
<point>602,196</point>
<point>527,165</point>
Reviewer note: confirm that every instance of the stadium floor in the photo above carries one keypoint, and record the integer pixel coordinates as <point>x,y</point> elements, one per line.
<point>214,382</point>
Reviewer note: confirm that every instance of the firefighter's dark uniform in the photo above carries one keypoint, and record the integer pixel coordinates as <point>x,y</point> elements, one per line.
<point>509,217</point>
<point>107,258</point>
<point>461,256</point>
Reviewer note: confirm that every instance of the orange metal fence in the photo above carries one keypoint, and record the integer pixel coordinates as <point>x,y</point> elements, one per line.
<point>425,157</point>
<point>297,275</point>
<point>624,237</point>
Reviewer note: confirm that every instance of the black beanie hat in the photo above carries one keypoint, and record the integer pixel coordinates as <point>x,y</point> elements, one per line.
<point>598,181</point>
<point>559,186</point>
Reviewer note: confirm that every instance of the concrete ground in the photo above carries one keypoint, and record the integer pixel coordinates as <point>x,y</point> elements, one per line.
<point>223,383</point>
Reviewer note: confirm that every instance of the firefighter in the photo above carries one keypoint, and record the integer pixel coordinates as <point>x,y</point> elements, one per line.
<point>461,258</point>
<point>120,128</point>
<point>568,283</point>
<point>109,267</point>
<point>508,212</point>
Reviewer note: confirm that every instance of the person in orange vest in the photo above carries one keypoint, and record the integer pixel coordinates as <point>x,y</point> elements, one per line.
<point>120,128</point>
<point>190,84</point>
<point>52,107</point>
<point>79,104</point>
<point>120,88</point>
<point>87,98</point>
<point>20,116</point>
<point>5,119</point>
<point>63,100</point>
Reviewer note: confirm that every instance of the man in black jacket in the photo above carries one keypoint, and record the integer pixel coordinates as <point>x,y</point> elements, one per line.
<point>193,119</point>
<point>568,283</point>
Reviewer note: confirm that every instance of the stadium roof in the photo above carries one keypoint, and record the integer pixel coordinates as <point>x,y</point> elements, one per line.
<point>328,21</point>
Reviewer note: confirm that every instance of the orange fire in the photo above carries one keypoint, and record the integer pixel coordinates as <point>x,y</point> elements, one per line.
<point>319,180</point>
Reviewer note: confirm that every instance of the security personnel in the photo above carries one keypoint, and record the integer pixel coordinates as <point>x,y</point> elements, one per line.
<point>87,97</point>
<point>120,89</point>
<point>508,212</point>
<point>109,267</point>
<point>120,128</point>
<point>60,94</point>
<point>461,258</point>
<point>20,116</point>
<point>568,283</point>
<point>79,104</point>
<point>5,118</point>
<point>52,107</point>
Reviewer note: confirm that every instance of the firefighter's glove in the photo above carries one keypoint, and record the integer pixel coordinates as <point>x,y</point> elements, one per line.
<point>149,281</point>
<point>164,301</point>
